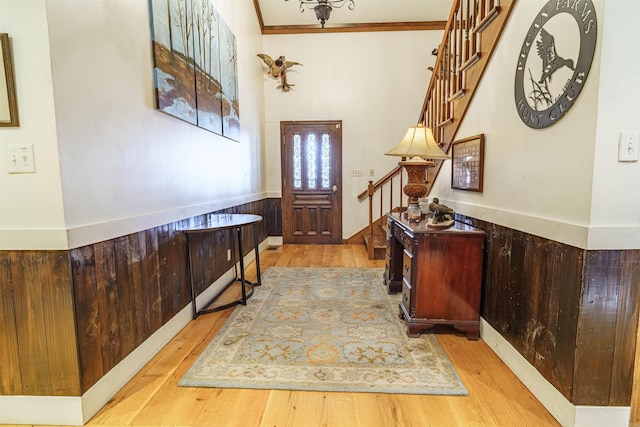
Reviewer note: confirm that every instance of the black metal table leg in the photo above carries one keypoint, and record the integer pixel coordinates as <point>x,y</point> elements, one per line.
<point>243,282</point>
<point>256,250</point>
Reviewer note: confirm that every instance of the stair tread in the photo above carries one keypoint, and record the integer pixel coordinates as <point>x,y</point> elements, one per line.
<point>379,240</point>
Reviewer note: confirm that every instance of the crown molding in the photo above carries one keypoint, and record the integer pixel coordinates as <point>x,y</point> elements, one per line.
<point>345,28</point>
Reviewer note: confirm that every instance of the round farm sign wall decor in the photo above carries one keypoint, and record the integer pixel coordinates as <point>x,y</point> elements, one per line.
<point>554,61</point>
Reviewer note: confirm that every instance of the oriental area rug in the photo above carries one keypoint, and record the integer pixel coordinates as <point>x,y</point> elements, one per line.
<point>323,329</point>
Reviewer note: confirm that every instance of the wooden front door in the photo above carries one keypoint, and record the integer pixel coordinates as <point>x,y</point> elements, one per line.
<point>311,182</point>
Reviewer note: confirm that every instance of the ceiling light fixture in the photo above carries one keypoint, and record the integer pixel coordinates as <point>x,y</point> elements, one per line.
<point>323,8</point>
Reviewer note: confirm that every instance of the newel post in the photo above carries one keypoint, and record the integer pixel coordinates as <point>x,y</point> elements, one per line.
<point>370,191</point>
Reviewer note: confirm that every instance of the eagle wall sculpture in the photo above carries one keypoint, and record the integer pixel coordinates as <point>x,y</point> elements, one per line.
<point>277,68</point>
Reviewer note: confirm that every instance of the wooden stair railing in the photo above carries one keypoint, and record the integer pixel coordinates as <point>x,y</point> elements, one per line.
<point>470,36</point>
<point>387,182</point>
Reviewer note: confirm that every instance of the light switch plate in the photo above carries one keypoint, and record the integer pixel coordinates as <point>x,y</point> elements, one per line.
<point>20,158</point>
<point>628,146</point>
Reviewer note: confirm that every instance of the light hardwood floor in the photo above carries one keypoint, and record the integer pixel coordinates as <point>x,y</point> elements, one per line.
<point>152,397</point>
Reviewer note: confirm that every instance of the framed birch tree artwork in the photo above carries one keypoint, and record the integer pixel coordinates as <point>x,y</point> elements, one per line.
<point>195,70</point>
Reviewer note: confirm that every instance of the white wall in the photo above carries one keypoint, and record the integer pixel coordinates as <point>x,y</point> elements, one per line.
<point>374,82</point>
<point>562,182</point>
<point>31,211</point>
<point>108,163</point>
<point>124,166</point>
<point>615,209</point>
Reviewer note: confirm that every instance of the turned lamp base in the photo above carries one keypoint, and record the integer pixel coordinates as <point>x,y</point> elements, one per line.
<point>416,186</point>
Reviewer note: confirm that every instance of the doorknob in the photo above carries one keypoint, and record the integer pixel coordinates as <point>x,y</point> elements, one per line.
<point>334,188</point>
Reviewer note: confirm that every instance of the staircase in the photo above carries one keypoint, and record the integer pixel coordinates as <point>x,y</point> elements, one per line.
<point>375,236</point>
<point>470,36</point>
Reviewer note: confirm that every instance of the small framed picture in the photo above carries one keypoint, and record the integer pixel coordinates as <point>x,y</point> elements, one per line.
<point>467,163</point>
<point>8,104</point>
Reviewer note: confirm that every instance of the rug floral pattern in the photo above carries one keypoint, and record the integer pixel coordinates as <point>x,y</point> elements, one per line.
<point>326,329</point>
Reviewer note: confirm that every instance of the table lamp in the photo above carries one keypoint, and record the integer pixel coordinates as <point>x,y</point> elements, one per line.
<point>421,148</point>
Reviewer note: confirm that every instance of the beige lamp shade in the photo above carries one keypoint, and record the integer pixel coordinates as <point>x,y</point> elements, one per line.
<point>418,141</point>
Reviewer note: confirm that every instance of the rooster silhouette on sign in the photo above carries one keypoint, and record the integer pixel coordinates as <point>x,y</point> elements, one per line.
<point>277,68</point>
<point>551,62</point>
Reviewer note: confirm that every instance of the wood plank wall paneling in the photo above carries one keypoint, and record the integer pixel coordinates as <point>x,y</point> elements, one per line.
<point>559,349</point>
<point>635,395</point>
<point>273,211</point>
<point>580,334</point>
<point>607,328</point>
<point>87,310</point>
<point>174,296</point>
<point>118,292</point>
<point>597,328</point>
<point>10,381</point>
<point>626,333</point>
<point>140,281</point>
<point>529,295</point>
<point>572,313</point>
<point>37,329</point>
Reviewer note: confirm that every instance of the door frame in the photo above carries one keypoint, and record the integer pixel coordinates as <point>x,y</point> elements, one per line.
<point>337,164</point>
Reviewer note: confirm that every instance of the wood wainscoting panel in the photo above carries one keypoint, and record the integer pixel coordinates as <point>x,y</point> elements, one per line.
<point>607,331</point>
<point>273,216</point>
<point>635,394</point>
<point>530,296</point>
<point>210,256</point>
<point>37,329</point>
<point>89,315</point>
<point>597,328</point>
<point>128,287</point>
<point>118,299</point>
<point>571,313</point>
<point>557,354</point>
<point>173,269</point>
<point>627,364</point>
<point>68,317</point>
<point>10,381</point>
<point>552,276</point>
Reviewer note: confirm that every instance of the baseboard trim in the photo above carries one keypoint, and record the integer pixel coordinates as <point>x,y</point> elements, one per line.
<point>275,241</point>
<point>72,410</point>
<point>77,410</point>
<point>100,393</point>
<point>598,416</point>
<point>559,406</point>
<point>47,410</point>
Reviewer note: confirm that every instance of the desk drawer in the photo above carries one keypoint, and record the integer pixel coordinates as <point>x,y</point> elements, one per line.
<point>404,238</point>
<point>389,225</point>
<point>407,259</point>
<point>406,294</point>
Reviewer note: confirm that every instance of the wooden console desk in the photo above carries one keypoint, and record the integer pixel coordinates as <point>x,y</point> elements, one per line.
<point>438,271</point>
